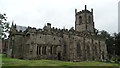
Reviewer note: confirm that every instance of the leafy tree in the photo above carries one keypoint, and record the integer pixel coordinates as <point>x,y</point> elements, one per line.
<point>110,47</point>
<point>104,34</point>
<point>117,44</point>
<point>109,42</point>
<point>113,45</point>
<point>4,26</point>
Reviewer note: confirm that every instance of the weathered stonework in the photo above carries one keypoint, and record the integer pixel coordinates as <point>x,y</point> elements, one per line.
<point>80,44</point>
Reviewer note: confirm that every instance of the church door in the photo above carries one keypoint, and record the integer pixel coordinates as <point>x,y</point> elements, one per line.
<point>59,56</point>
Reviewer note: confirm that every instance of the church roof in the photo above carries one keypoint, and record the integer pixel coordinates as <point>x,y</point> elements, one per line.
<point>20,28</point>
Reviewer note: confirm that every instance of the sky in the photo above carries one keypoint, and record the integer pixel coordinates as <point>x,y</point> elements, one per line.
<point>60,13</point>
<point>119,17</point>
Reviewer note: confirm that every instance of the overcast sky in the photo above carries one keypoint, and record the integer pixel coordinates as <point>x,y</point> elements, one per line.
<point>60,13</point>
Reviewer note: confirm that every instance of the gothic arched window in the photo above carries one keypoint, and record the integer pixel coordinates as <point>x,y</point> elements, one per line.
<point>65,49</point>
<point>54,49</point>
<point>88,50</point>
<point>78,50</point>
<point>44,50</point>
<point>37,50</point>
<point>51,49</point>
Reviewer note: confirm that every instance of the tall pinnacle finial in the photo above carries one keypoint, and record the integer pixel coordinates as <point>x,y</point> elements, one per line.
<point>75,10</point>
<point>85,7</point>
<point>12,23</point>
<point>92,10</point>
<point>15,25</point>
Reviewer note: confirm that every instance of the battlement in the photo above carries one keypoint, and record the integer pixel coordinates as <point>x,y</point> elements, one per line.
<point>83,11</point>
<point>48,30</point>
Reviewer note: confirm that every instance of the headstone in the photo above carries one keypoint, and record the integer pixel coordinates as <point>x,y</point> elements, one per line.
<point>108,60</point>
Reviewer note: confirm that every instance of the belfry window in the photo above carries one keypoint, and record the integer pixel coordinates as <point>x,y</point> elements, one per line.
<point>89,19</point>
<point>80,19</point>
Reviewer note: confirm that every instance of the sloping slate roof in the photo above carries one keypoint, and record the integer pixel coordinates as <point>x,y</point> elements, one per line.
<point>22,28</point>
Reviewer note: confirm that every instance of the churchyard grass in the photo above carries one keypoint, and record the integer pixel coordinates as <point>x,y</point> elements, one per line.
<point>20,62</point>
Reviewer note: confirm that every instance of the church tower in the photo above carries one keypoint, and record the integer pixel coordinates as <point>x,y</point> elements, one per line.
<point>84,21</point>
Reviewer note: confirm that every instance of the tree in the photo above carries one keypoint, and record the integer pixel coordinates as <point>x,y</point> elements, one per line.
<point>110,46</point>
<point>109,42</point>
<point>4,26</point>
<point>112,43</point>
<point>117,44</point>
<point>104,34</point>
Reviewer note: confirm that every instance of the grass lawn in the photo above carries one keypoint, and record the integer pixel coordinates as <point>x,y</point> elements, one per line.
<point>0,60</point>
<point>18,62</point>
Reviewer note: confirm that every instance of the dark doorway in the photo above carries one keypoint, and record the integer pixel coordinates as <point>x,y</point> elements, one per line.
<point>59,56</point>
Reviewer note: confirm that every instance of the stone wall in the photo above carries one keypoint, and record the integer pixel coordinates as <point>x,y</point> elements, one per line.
<point>32,44</point>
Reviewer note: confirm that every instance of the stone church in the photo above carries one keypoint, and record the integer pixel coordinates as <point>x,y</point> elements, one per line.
<point>79,44</point>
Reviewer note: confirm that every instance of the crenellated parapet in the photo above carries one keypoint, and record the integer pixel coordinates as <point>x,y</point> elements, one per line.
<point>48,30</point>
